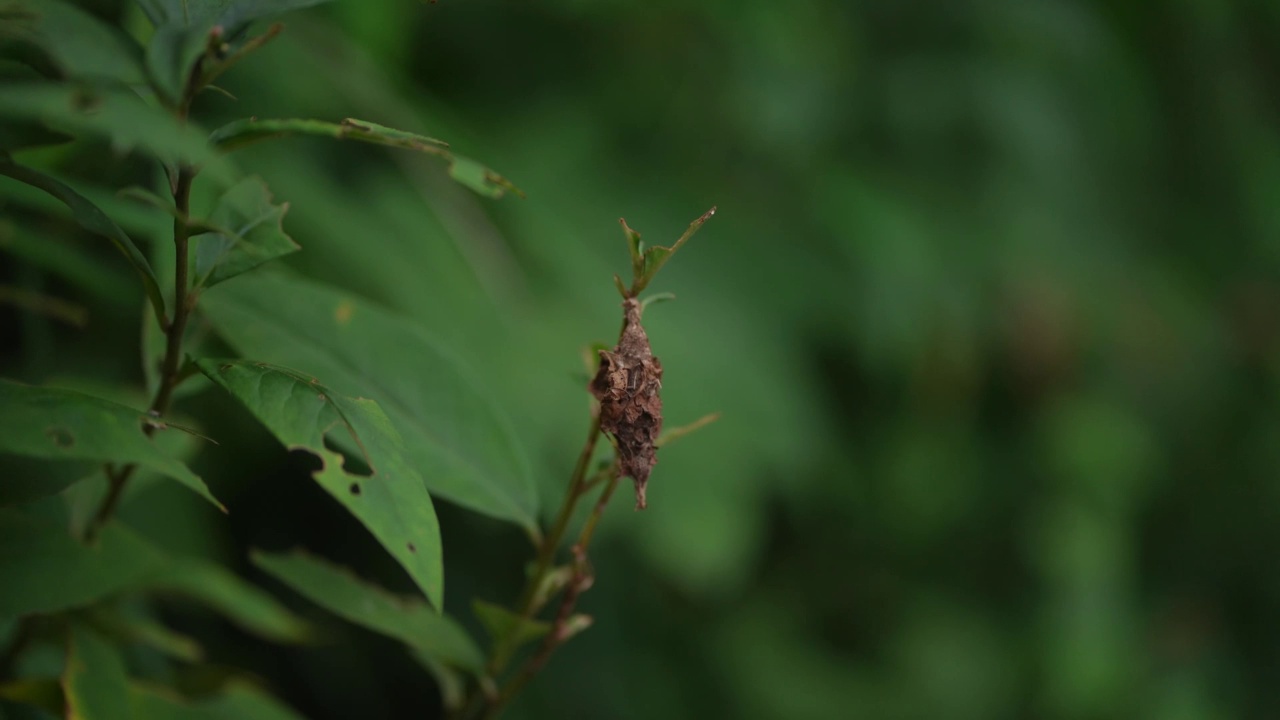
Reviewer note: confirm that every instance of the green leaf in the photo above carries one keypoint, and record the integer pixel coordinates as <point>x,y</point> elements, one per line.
<point>230,14</point>
<point>119,115</point>
<point>645,262</point>
<point>236,701</point>
<point>171,56</point>
<point>244,604</point>
<point>254,234</point>
<point>28,479</point>
<point>30,547</point>
<point>469,173</point>
<point>635,246</point>
<point>91,218</point>
<point>465,171</point>
<point>339,591</point>
<point>391,501</point>
<point>78,44</point>
<point>117,561</point>
<point>451,683</point>
<point>58,424</point>
<point>95,683</point>
<point>142,630</point>
<point>108,285</point>
<point>501,622</point>
<point>239,133</point>
<point>42,692</point>
<point>455,435</point>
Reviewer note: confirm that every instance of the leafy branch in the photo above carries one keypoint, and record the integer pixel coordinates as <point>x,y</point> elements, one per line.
<point>634,441</point>
<point>175,329</point>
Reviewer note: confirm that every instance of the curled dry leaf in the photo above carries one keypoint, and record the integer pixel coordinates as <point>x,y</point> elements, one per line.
<point>627,387</point>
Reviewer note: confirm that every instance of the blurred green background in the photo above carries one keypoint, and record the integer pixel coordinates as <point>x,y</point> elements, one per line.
<point>990,307</point>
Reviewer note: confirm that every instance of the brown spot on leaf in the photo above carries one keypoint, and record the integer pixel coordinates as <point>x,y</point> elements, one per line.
<point>627,387</point>
<point>413,548</point>
<point>342,313</point>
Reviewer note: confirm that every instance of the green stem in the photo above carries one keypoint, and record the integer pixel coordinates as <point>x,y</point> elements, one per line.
<point>182,305</point>
<point>577,585</point>
<point>505,647</point>
<point>171,365</point>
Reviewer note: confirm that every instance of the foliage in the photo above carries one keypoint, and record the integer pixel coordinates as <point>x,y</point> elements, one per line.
<point>988,306</point>
<point>390,414</point>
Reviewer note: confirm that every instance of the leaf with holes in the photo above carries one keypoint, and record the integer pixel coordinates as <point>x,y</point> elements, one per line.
<point>91,218</point>
<point>250,234</point>
<point>56,424</point>
<point>464,170</point>
<point>94,680</point>
<point>391,501</point>
<point>342,593</point>
<point>29,547</point>
<point>455,435</point>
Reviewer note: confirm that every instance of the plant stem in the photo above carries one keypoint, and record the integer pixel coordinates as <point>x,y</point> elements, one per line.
<point>171,365</point>
<point>505,647</point>
<point>581,580</point>
<point>527,606</point>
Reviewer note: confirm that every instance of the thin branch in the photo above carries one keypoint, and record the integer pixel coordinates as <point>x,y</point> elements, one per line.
<point>183,301</point>
<point>582,579</point>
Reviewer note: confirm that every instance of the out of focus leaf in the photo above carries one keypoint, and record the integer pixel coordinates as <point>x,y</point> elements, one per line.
<point>171,55</point>
<point>466,171</point>
<point>236,701</point>
<point>455,436</point>
<point>142,630</point>
<point>347,596</point>
<point>108,285</point>
<point>243,603</point>
<point>58,424</point>
<point>254,234</point>
<point>452,683</point>
<point>119,115</point>
<point>501,622</point>
<point>91,218</point>
<point>43,692</point>
<point>391,502</point>
<point>78,44</point>
<point>479,178</point>
<point>230,14</point>
<point>30,547</point>
<point>18,135</point>
<point>240,133</point>
<point>94,682</point>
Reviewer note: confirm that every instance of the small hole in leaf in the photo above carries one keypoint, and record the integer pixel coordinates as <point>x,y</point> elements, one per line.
<point>61,436</point>
<point>412,548</point>
<point>355,488</point>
